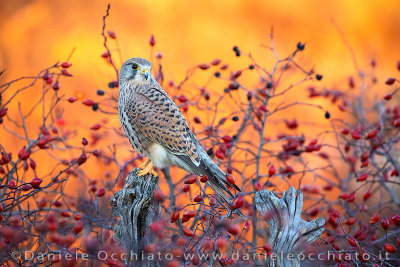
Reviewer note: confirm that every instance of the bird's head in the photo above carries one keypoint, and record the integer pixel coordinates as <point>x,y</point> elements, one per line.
<point>135,70</point>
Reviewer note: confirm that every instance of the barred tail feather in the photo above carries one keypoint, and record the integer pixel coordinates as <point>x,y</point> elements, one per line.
<point>216,177</point>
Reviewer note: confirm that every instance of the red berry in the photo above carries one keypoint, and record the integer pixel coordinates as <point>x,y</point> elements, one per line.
<point>32,164</point>
<point>156,227</point>
<point>72,99</point>
<point>263,108</point>
<point>236,74</point>
<point>271,170</point>
<point>96,153</point>
<point>220,154</point>
<point>187,232</point>
<point>396,219</point>
<point>396,123</point>
<point>84,141</point>
<point>388,97</point>
<point>104,54</point>
<point>374,219</point>
<point>112,34</point>
<point>65,72</point>
<point>95,127</point>
<point>267,247</point>
<point>390,248</point>
<point>42,203</point>
<point>5,158</point>
<point>313,212</point>
<point>367,195</point>
<point>189,214</point>
<point>204,66</point>
<point>26,187</point>
<point>215,62</point>
<point>351,198</point>
<point>150,248</point>
<point>390,81</point>
<point>258,186</point>
<point>212,201</point>
<point>152,40</point>
<point>352,241</point>
<point>385,224</point>
<point>233,229</point>
<point>182,98</point>
<point>186,188</point>
<point>238,203</point>
<point>224,67</point>
<point>175,216</point>
<point>226,138</point>
<point>291,124</point>
<point>88,102</point>
<point>371,134</point>
<point>3,112</point>
<point>362,177</point>
<point>82,158</point>
<point>345,131</point>
<point>35,182</point>
<point>101,192</point>
<point>65,214</point>
<point>230,179</point>
<point>23,154</point>
<point>78,226</point>
<point>204,178</point>
<point>198,198</point>
<point>159,195</point>
<point>66,65</point>
<point>222,243</point>
<point>191,179</point>
<point>356,134</point>
<point>351,82</point>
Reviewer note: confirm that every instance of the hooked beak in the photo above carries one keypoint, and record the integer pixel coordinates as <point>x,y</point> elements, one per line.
<point>145,73</point>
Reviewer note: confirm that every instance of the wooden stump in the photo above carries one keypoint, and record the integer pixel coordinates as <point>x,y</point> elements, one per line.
<point>136,207</point>
<point>289,233</point>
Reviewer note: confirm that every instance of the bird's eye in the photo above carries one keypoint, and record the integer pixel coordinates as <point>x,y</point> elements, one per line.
<point>135,66</point>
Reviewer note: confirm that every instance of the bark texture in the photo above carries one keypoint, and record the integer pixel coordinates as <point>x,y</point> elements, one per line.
<point>137,208</point>
<point>289,233</point>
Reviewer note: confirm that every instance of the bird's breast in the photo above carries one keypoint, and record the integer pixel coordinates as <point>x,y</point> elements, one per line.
<point>131,131</point>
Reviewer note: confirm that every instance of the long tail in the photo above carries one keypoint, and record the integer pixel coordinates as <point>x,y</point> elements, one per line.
<point>216,177</point>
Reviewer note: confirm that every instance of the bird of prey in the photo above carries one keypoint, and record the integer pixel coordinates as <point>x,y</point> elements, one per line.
<point>157,129</point>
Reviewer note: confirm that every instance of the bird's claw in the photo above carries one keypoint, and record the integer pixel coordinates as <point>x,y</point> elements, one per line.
<point>148,169</point>
<point>144,164</point>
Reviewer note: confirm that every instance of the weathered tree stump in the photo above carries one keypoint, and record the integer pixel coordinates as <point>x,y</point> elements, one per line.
<point>136,207</point>
<point>289,233</point>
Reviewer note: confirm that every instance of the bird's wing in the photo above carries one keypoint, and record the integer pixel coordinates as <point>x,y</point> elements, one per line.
<point>159,119</point>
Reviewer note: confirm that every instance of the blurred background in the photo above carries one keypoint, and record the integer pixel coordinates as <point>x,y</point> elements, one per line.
<point>36,34</point>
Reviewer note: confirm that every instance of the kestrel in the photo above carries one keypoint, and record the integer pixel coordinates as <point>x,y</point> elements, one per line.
<point>157,129</point>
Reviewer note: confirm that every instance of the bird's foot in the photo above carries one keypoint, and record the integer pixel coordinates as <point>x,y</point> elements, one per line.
<point>144,164</point>
<point>148,169</point>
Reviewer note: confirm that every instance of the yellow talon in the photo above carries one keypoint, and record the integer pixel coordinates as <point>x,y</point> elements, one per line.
<point>148,169</point>
<point>144,164</point>
<point>154,173</point>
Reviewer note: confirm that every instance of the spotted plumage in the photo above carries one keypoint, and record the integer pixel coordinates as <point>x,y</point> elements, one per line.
<point>157,129</point>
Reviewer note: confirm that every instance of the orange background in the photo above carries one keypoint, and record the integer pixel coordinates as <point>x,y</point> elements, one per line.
<point>36,34</point>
